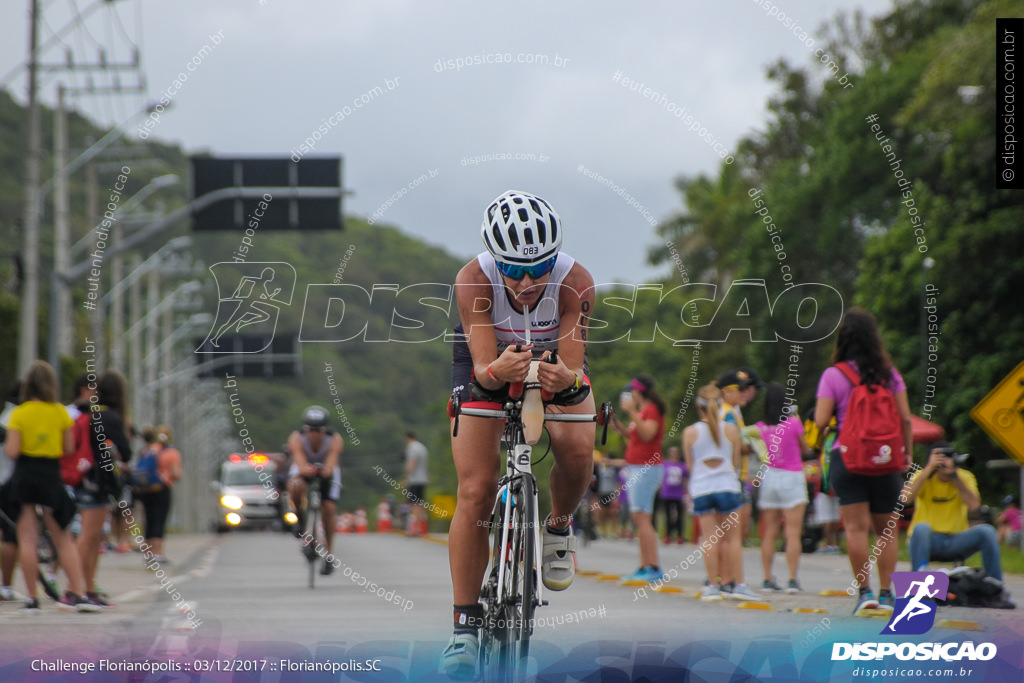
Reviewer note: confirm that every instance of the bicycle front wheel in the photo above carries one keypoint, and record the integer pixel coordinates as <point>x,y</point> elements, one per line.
<point>512,619</point>
<point>311,535</point>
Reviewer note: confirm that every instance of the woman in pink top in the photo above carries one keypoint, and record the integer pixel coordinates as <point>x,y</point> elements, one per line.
<point>866,502</point>
<point>783,489</point>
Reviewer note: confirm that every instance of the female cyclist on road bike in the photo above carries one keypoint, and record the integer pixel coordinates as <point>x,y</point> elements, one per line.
<point>522,270</point>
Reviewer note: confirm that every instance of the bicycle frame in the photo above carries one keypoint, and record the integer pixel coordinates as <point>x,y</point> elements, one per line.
<point>519,466</point>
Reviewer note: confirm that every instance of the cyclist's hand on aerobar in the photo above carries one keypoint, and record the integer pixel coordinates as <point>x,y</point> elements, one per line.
<point>555,377</point>
<point>513,365</point>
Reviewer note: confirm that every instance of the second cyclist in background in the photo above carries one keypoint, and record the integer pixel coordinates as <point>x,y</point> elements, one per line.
<point>316,447</point>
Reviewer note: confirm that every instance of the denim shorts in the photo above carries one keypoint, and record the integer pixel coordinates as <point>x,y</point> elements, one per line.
<point>642,484</point>
<point>722,502</point>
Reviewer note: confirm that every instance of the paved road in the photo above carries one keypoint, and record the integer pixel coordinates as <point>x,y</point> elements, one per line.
<point>249,594</point>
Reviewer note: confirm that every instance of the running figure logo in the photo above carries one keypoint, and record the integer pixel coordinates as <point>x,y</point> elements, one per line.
<point>258,290</point>
<point>915,611</point>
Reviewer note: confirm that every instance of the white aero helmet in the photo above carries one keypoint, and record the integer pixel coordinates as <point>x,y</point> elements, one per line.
<point>521,228</point>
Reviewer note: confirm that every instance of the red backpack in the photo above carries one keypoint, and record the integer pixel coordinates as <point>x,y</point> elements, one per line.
<point>872,434</point>
<point>74,465</point>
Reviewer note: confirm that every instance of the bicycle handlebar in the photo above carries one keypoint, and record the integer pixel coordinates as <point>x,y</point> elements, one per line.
<point>548,417</point>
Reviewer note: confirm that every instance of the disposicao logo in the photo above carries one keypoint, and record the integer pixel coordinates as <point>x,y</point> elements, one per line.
<point>913,615</point>
<point>915,612</point>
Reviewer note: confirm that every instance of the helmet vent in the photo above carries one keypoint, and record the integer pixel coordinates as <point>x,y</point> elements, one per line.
<point>524,215</point>
<point>541,231</point>
<point>528,235</point>
<point>554,228</point>
<point>497,237</point>
<point>536,207</point>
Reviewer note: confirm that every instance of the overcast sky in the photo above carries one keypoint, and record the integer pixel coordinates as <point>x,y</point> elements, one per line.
<point>282,68</point>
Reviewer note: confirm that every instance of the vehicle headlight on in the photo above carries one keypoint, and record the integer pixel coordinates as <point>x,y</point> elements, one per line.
<point>291,518</point>
<point>231,502</point>
<point>233,518</point>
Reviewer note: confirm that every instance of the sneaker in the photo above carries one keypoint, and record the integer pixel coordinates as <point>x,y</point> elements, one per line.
<point>76,603</point>
<point>886,600</point>
<point>558,568</point>
<point>99,601</point>
<point>162,559</point>
<point>709,593</point>
<point>794,587</point>
<point>31,607</point>
<point>6,594</point>
<point>866,600</point>
<point>459,659</point>
<point>639,575</point>
<point>770,585</point>
<point>652,574</point>
<point>742,592</point>
<point>327,569</point>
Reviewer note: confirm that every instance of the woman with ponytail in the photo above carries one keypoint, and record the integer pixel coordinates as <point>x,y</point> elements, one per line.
<point>645,471</point>
<point>712,451</point>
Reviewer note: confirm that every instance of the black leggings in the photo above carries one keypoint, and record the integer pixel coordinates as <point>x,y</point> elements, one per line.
<point>157,505</point>
<point>674,516</point>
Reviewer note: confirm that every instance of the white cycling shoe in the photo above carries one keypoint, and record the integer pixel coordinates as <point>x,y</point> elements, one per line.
<point>459,659</point>
<point>558,563</point>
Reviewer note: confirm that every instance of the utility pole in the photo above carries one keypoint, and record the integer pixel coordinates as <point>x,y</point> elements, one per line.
<point>61,223</point>
<point>29,323</point>
<point>135,343</point>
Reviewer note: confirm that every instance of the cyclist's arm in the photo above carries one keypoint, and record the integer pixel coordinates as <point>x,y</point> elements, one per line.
<point>473,294</point>
<point>333,454</point>
<point>298,454</point>
<point>575,305</point>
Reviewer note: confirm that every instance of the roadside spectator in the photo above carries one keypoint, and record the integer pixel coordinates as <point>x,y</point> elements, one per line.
<point>783,488</point>
<point>607,484</point>
<point>102,423</point>
<point>1010,521</point>
<point>157,503</point>
<point>673,495</point>
<point>943,494</point>
<point>738,388</point>
<point>38,434</point>
<point>646,430</point>
<point>865,501</point>
<point>416,482</point>
<point>712,450</point>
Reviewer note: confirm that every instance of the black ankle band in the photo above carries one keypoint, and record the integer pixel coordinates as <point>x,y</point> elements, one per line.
<point>468,618</point>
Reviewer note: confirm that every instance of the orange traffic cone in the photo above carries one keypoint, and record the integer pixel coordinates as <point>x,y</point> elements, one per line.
<point>361,523</point>
<point>383,517</point>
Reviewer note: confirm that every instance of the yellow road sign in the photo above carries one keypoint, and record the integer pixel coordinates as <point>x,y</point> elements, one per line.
<point>443,506</point>
<point>1001,413</point>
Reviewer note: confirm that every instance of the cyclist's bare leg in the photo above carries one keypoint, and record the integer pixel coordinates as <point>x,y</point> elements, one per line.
<point>573,446</point>
<point>329,510</point>
<point>475,452</point>
<point>297,492</point>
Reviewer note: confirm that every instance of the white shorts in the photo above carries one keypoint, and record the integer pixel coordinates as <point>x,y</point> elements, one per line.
<point>826,509</point>
<point>782,489</point>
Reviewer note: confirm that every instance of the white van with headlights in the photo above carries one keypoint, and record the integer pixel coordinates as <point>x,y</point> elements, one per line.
<point>247,495</point>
